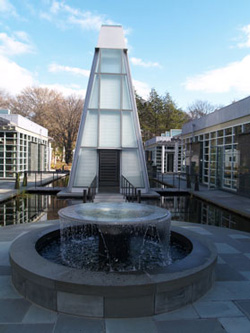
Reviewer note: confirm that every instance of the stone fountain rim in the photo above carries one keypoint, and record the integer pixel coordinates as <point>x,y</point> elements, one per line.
<point>111,295</point>
<point>203,254</point>
<point>155,214</point>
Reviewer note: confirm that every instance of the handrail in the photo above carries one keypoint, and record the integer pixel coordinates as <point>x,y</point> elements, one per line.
<point>38,176</point>
<point>129,191</point>
<point>92,189</point>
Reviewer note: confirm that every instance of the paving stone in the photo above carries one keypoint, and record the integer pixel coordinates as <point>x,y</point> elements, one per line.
<point>37,315</point>
<point>224,272</point>
<point>244,306</point>
<point>138,325</point>
<point>13,310</point>
<point>237,261</point>
<point>5,270</point>
<point>216,309</point>
<point>71,324</point>
<point>239,236</point>
<point>7,290</point>
<point>190,326</point>
<point>239,289</point>
<point>27,328</point>
<point>246,274</point>
<point>220,260</point>
<point>218,293</point>
<point>236,325</point>
<point>225,248</point>
<point>4,253</point>
<point>187,312</point>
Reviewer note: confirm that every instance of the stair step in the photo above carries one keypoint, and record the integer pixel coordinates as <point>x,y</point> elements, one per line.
<point>109,197</point>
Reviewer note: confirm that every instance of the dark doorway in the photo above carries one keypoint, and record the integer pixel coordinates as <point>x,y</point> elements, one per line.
<point>109,170</point>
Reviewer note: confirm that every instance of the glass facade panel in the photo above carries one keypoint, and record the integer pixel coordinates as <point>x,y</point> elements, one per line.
<point>110,92</point>
<point>111,61</point>
<point>89,138</point>
<point>128,131</point>
<point>126,102</point>
<point>86,167</point>
<point>131,168</point>
<point>109,129</point>
<point>93,104</point>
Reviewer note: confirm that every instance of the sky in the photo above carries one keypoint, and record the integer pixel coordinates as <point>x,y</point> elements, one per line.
<point>192,49</point>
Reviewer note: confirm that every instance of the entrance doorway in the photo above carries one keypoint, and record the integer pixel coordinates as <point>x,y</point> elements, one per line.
<point>109,170</point>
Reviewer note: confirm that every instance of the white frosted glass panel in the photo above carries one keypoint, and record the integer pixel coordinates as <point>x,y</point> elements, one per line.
<point>89,138</point>
<point>93,104</point>
<point>110,92</point>
<point>128,130</point>
<point>86,167</point>
<point>109,129</point>
<point>126,100</point>
<point>131,167</point>
<point>111,61</point>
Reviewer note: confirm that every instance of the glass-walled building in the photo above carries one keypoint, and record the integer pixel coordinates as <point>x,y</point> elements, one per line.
<point>109,142</point>
<point>24,145</point>
<point>216,147</point>
<point>164,152</point>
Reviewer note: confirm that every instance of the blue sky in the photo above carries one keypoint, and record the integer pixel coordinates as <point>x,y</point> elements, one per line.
<point>190,48</point>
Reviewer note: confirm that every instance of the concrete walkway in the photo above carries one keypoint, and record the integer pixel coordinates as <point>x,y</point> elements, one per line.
<point>7,187</point>
<point>225,308</point>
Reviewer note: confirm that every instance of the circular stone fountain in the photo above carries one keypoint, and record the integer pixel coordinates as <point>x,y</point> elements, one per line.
<point>143,286</point>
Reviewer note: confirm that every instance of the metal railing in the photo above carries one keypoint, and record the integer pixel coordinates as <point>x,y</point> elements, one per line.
<point>177,180</point>
<point>39,178</point>
<point>129,191</point>
<point>89,195</point>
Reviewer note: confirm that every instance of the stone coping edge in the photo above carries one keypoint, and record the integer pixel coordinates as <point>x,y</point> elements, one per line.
<point>115,294</point>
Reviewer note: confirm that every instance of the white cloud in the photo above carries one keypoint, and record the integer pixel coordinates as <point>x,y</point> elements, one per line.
<point>13,78</point>
<point>12,46</point>
<point>7,8</point>
<point>246,31</point>
<point>233,77</point>
<point>55,68</point>
<point>65,16</point>
<point>67,90</point>
<point>141,88</point>
<point>140,62</point>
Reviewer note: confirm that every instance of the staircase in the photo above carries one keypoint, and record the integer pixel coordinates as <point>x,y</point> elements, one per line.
<point>109,197</point>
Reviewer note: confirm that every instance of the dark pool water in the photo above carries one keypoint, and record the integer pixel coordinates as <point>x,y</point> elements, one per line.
<point>32,207</point>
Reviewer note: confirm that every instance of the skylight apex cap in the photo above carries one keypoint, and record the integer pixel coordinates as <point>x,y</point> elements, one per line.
<point>111,37</point>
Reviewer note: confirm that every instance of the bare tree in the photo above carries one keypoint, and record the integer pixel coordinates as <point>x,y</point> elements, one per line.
<point>4,100</point>
<point>49,108</point>
<point>66,119</point>
<point>37,104</point>
<point>200,108</point>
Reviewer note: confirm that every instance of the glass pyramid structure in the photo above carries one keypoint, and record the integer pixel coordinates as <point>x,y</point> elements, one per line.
<point>109,141</point>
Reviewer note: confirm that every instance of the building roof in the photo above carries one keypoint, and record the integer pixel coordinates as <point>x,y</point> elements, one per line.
<point>24,123</point>
<point>111,37</point>
<point>233,111</point>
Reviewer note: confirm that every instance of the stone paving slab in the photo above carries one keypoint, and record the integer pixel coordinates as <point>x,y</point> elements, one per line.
<point>27,328</point>
<point>190,326</point>
<point>215,309</point>
<point>38,315</point>
<point>138,325</point>
<point>70,324</point>
<point>13,310</point>
<point>244,306</point>
<point>235,325</point>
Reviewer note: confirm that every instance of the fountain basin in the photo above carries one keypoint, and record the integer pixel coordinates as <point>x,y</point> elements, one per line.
<point>114,236</point>
<point>113,294</point>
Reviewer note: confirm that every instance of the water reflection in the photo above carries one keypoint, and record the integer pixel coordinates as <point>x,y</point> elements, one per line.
<point>33,207</point>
